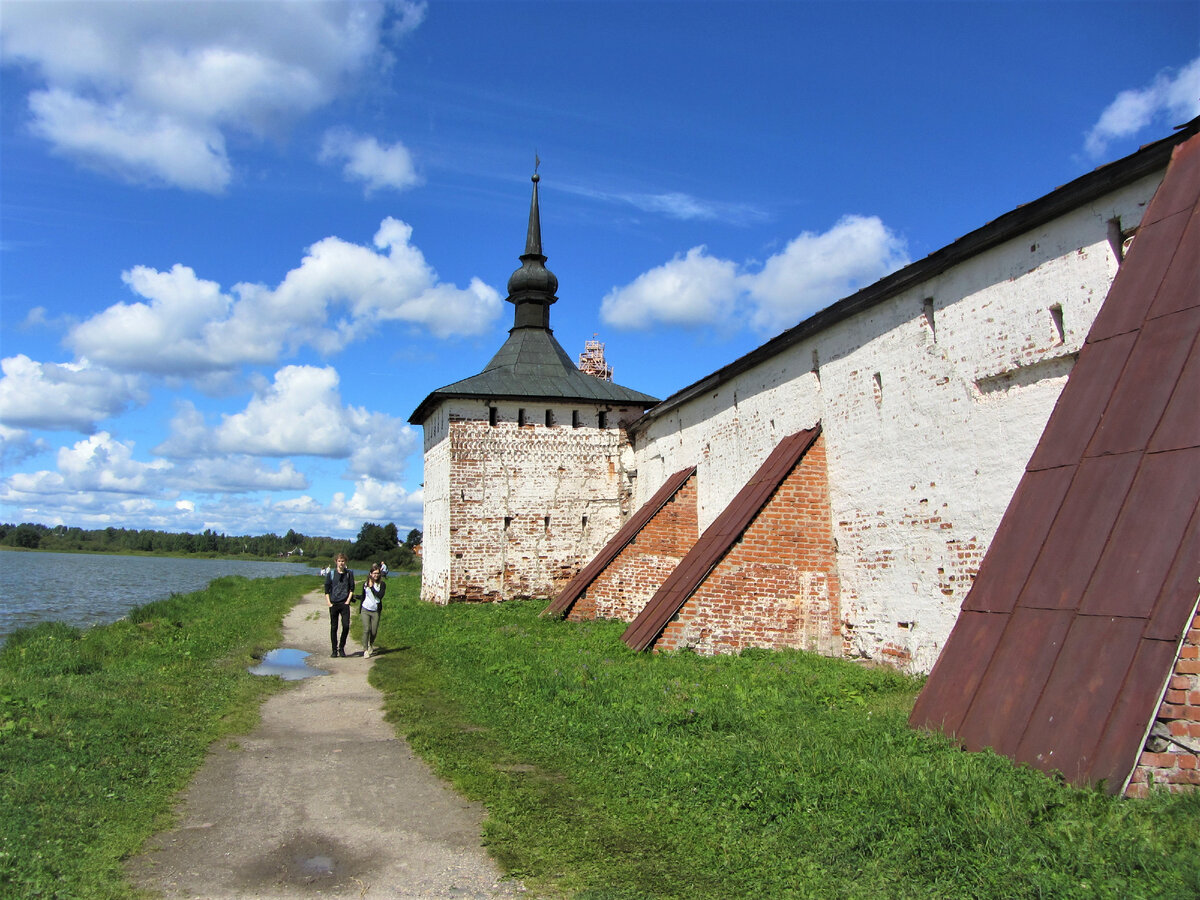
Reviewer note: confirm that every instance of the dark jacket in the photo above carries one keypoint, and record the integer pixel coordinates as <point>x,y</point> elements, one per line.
<point>339,586</point>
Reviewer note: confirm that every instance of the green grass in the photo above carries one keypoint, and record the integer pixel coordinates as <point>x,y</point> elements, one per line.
<point>610,774</point>
<point>99,729</point>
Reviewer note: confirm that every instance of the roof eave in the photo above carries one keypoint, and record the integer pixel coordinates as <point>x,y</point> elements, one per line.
<point>1098,182</point>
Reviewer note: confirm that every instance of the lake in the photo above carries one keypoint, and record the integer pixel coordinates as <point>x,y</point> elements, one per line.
<point>86,589</point>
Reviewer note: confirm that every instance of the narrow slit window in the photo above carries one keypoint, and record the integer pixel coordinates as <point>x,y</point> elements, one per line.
<point>927,305</point>
<point>549,418</point>
<point>1116,239</point>
<point>493,416</point>
<point>546,523</point>
<point>877,384</point>
<point>602,419</point>
<point>1056,316</point>
<point>507,522</point>
<point>575,420</point>
<point>585,521</point>
<point>520,417</point>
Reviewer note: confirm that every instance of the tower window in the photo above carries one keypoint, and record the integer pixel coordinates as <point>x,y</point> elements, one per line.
<point>575,422</point>
<point>549,418</point>
<point>602,419</point>
<point>520,417</point>
<point>546,523</point>
<point>493,416</point>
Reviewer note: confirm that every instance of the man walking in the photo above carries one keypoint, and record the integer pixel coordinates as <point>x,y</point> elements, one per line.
<point>339,588</point>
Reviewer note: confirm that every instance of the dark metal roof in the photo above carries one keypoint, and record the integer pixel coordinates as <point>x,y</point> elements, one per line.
<point>1065,643</point>
<point>1147,160</point>
<point>717,539</point>
<point>531,365</point>
<point>576,586</point>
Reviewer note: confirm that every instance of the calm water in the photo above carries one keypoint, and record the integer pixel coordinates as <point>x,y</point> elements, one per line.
<point>89,589</point>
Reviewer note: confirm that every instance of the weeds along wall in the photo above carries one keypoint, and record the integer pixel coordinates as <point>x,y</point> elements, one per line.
<point>519,496</point>
<point>931,401</point>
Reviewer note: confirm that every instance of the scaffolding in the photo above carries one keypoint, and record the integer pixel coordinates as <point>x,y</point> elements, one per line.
<point>591,360</point>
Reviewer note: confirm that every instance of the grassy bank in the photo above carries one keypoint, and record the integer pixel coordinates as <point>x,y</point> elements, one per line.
<point>610,774</point>
<point>100,728</point>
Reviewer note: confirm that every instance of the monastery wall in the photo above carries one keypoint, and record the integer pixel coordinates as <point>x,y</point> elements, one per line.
<point>435,535</point>
<point>931,403</point>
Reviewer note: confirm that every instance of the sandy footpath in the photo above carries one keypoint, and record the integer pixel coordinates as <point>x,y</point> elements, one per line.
<point>322,799</point>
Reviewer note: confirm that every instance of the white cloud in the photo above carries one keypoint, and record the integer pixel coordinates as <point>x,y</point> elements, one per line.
<point>132,143</point>
<point>674,205</point>
<point>185,325</point>
<point>692,290</point>
<point>150,90</point>
<point>63,397</point>
<point>813,271</point>
<point>378,166</point>
<point>237,475</point>
<point>1173,96</point>
<point>299,414</point>
<point>96,464</point>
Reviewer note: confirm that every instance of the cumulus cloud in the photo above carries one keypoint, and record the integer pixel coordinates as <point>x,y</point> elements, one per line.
<point>96,464</point>
<point>1173,96</point>
<point>692,290</point>
<point>299,414</point>
<point>186,325</point>
<point>145,92</point>
<point>236,475</point>
<point>377,165</point>
<point>814,270</point>
<point>63,397</point>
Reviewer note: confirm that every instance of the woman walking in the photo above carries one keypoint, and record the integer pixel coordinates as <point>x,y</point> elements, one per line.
<point>372,606</point>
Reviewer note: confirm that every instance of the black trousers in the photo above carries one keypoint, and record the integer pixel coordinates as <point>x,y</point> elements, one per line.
<point>339,612</point>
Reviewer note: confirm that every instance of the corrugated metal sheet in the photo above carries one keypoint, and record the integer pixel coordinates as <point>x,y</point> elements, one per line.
<point>1066,641</point>
<point>717,539</point>
<point>576,586</point>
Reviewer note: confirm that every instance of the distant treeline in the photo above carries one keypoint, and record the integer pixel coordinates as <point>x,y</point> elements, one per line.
<point>374,542</point>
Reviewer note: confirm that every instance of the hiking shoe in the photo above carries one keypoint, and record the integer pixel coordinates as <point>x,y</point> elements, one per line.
<point>333,655</point>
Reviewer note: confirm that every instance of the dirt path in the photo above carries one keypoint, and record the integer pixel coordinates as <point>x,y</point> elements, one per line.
<point>322,799</point>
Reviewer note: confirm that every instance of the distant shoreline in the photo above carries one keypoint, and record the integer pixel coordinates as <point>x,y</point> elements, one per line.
<point>312,563</point>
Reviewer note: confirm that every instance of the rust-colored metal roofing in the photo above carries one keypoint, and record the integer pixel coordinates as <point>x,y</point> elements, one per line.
<point>717,539</point>
<point>576,586</point>
<point>1065,644</point>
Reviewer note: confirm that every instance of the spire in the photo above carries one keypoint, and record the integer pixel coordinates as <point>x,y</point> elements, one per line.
<point>531,288</point>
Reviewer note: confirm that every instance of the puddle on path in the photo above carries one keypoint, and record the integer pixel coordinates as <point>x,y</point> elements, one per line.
<point>288,664</point>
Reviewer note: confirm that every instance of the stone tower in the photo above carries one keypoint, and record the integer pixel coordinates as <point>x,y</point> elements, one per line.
<point>527,464</point>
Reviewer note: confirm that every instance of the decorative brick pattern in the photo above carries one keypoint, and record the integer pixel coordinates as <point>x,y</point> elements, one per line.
<point>1171,758</point>
<point>630,580</point>
<point>527,505</point>
<point>777,587</point>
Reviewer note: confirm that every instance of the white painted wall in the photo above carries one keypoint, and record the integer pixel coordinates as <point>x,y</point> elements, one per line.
<point>928,427</point>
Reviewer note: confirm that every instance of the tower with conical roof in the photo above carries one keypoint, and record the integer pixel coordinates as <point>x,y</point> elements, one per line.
<point>527,464</point>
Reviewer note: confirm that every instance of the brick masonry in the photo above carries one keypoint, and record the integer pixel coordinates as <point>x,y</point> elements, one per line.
<point>526,504</point>
<point>630,580</point>
<point>1172,755</point>
<point>777,587</point>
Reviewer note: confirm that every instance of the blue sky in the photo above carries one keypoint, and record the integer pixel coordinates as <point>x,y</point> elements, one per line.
<point>240,242</point>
